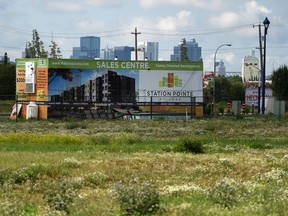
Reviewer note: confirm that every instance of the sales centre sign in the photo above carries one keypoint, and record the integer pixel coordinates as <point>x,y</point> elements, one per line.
<point>66,80</point>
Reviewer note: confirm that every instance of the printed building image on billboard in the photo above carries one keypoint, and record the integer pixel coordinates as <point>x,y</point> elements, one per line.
<point>92,86</point>
<point>67,85</point>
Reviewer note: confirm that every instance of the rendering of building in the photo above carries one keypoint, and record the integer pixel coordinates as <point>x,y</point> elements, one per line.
<point>109,87</point>
<point>250,68</point>
<point>89,48</point>
<point>194,52</point>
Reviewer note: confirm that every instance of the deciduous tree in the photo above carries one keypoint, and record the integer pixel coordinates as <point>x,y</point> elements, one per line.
<point>35,48</point>
<point>55,51</point>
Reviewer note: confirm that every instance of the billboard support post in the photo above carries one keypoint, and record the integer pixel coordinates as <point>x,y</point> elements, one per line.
<point>151,115</point>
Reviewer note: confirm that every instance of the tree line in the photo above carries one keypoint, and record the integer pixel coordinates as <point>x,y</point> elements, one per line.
<point>226,88</point>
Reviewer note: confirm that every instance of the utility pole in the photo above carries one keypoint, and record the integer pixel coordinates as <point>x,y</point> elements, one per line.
<point>260,47</point>
<point>136,35</point>
<point>261,65</point>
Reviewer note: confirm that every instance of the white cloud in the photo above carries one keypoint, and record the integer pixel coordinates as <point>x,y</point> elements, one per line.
<point>182,19</point>
<point>87,25</point>
<point>229,57</point>
<point>254,7</point>
<point>224,20</point>
<point>104,3</point>
<point>138,22</point>
<point>203,4</point>
<point>61,6</point>
<point>4,4</point>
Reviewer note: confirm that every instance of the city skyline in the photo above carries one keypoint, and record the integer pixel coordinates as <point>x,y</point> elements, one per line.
<point>210,22</point>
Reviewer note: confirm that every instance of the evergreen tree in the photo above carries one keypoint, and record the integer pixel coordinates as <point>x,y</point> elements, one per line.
<point>280,83</point>
<point>5,59</point>
<point>8,80</point>
<point>184,51</point>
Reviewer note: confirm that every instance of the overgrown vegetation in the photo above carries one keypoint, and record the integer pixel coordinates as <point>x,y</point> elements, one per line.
<point>134,167</point>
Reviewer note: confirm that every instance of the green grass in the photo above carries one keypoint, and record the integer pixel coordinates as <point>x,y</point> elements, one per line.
<point>73,167</point>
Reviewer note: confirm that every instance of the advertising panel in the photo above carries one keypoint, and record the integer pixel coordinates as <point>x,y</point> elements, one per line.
<point>40,84</point>
<point>170,86</point>
<point>68,81</point>
<point>251,95</point>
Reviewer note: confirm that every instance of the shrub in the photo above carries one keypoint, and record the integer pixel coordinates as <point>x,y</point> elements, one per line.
<point>71,163</point>
<point>8,208</point>
<point>4,176</point>
<point>95,179</point>
<point>258,145</point>
<point>75,125</point>
<point>221,106</point>
<point>59,196</point>
<point>20,176</point>
<point>101,139</point>
<point>190,145</point>
<point>125,138</point>
<point>226,192</point>
<point>210,126</point>
<point>137,198</point>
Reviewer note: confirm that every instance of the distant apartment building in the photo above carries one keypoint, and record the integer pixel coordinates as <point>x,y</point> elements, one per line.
<point>250,68</point>
<point>194,52</point>
<point>89,48</point>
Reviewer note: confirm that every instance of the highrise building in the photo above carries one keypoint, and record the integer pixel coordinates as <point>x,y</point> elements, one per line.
<point>107,54</point>
<point>220,68</point>
<point>194,52</point>
<point>150,49</point>
<point>89,48</point>
<point>146,51</point>
<point>123,52</point>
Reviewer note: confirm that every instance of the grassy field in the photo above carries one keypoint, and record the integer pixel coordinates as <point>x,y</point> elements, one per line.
<point>218,166</point>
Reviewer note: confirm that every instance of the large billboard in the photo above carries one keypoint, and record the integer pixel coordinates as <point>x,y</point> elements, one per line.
<point>106,81</point>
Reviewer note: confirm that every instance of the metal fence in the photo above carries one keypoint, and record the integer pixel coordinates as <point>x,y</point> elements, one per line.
<point>149,107</point>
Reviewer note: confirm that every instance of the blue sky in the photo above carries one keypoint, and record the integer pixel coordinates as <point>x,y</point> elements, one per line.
<point>210,22</point>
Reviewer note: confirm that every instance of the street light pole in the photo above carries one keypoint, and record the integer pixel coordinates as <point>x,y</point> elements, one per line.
<point>266,23</point>
<point>214,76</point>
